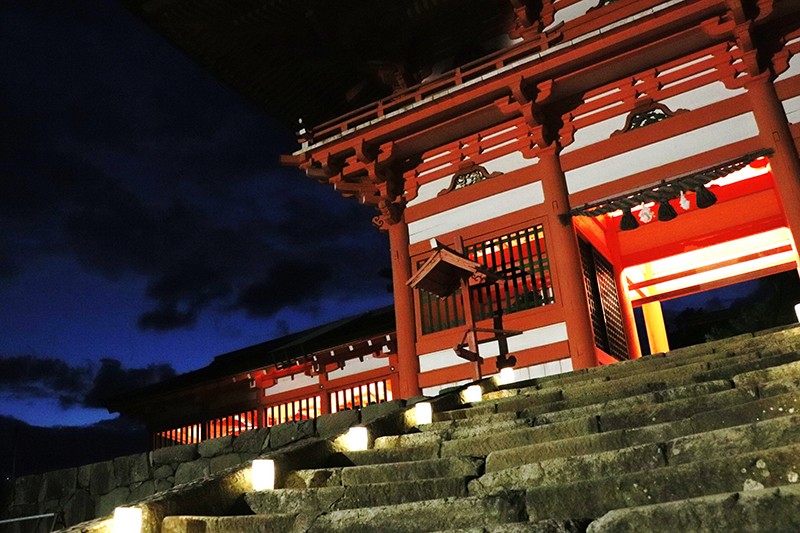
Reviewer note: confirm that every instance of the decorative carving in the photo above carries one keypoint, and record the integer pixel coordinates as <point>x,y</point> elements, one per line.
<point>469,175</point>
<point>647,115</point>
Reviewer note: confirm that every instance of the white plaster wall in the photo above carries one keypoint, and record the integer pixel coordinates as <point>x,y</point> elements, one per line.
<point>355,366</point>
<point>663,152</point>
<point>531,338</point>
<point>475,212</point>
<point>287,384</point>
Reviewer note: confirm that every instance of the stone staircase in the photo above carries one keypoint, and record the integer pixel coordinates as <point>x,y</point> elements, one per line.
<point>705,438</point>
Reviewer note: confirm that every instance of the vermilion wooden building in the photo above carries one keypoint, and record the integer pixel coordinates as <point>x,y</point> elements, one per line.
<point>594,155</point>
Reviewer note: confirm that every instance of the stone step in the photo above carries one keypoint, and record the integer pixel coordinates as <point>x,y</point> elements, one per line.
<point>274,523</point>
<point>542,526</point>
<point>384,473</point>
<point>727,441</point>
<point>386,455</point>
<point>588,394</point>
<point>426,516</point>
<point>593,498</point>
<point>772,510</point>
<point>315,501</point>
<point>752,412</point>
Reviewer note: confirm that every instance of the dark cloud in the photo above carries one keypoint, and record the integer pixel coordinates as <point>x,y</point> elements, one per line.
<point>86,384</point>
<point>130,159</point>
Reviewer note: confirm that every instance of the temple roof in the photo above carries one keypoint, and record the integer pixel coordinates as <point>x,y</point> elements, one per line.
<point>279,351</point>
<point>318,59</point>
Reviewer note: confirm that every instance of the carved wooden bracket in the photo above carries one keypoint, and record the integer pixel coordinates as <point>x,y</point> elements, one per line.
<point>470,174</point>
<point>645,114</point>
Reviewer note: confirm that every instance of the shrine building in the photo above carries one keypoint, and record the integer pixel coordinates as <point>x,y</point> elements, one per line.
<point>542,168</point>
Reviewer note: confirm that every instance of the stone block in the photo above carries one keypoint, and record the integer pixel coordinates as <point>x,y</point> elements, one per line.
<point>251,442</point>
<point>192,470</point>
<point>162,484</point>
<point>107,502</point>
<point>79,508</point>
<point>333,424</point>
<point>223,462</point>
<point>59,483</point>
<point>101,478</point>
<point>175,454</point>
<point>163,472</point>
<point>84,476</point>
<point>142,490</point>
<point>27,489</point>
<point>214,447</point>
<point>131,469</point>
<point>377,410</point>
<point>284,434</point>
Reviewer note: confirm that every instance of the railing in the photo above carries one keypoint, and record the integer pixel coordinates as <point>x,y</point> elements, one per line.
<point>219,427</point>
<point>293,411</point>
<point>361,395</point>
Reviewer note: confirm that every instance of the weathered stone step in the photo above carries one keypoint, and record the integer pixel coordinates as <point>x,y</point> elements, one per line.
<point>760,410</point>
<point>426,516</point>
<point>387,455</point>
<point>274,523</point>
<point>772,510</point>
<point>588,394</point>
<point>542,526</point>
<point>747,438</point>
<point>472,421</point>
<point>593,498</point>
<point>315,501</point>
<point>384,473</point>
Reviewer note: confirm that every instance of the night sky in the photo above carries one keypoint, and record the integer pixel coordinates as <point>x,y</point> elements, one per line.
<point>145,224</point>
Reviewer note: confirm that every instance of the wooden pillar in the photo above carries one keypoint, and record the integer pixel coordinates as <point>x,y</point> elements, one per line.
<point>324,394</point>
<point>407,360</point>
<point>774,133</point>
<point>656,330</point>
<point>562,247</point>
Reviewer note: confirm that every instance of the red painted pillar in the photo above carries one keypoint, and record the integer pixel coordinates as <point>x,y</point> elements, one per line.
<point>774,133</point>
<point>562,246</point>
<point>407,360</point>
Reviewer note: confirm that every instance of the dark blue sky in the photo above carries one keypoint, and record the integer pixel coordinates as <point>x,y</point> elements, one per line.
<point>145,225</point>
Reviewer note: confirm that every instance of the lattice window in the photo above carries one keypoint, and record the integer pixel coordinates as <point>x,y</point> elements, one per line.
<point>521,257</point>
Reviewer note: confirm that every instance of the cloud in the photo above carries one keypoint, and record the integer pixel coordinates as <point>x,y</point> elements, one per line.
<point>86,384</point>
<point>131,160</point>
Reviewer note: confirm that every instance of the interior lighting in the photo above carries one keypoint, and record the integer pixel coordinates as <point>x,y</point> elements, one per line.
<point>263,474</point>
<point>357,439</point>
<point>705,198</point>
<point>507,375</point>
<point>423,411</point>
<point>646,214</point>
<point>473,394</point>
<point>127,520</point>
<point>628,221</point>
<point>665,211</point>
<point>797,311</point>
<point>684,202</point>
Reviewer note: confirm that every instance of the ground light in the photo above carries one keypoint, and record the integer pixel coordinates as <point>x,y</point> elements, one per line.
<point>357,439</point>
<point>473,394</point>
<point>263,474</point>
<point>797,311</point>
<point>127,520</point>
<point>423,412</point>
<point>507,375</point>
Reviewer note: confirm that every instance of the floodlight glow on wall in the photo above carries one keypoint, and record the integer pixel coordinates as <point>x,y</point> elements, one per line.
<point>263,474</point>
<point>423,412</point>
<point>507,375</point>
<point>127,520</point>
<point>473,394</point>
<point>357,439</point>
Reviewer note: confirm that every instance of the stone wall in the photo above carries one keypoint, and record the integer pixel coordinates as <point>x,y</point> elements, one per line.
<point>85,492</point>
